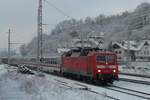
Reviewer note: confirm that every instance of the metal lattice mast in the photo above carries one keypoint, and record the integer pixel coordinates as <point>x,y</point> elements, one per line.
<point>39,33</point>
<point>9,48</point>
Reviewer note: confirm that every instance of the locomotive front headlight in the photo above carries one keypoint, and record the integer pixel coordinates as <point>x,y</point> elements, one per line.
<point>99,70</point>
<point>112,66</point>
<point>100,66</point>
<point>114,71</point>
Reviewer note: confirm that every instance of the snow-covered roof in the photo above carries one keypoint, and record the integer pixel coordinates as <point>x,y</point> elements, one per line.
<point>135,46</point>
<point>142,42</point>
<point>62,50</point>
<point>124,44</point>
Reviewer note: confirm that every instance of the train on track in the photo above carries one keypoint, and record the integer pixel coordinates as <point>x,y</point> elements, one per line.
<point>87,64</point>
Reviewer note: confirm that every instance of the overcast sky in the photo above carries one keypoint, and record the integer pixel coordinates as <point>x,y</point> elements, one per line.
<point>21,15</point>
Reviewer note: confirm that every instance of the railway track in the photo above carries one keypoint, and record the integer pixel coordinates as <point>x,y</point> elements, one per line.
<point>85,88</point>
<point>136,93</point>
<point>127,91</point>
<point>137,75</point>
<point>134,81</point>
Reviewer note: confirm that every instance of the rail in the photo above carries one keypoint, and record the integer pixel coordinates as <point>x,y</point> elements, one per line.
<point>134,92</point>
<point>138,75</point>
<point>135,81</point>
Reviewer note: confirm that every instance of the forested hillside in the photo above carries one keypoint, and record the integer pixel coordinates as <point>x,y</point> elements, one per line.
<point>133,25</point>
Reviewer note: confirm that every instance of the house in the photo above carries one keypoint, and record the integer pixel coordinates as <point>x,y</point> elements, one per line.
<point>124,50</point>
<point>143,52</point>
<point>132,50</point>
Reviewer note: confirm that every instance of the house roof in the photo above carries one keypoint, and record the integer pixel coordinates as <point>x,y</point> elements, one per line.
<point>142,42</point>
<point>135,46</point>
<point>124,44</point>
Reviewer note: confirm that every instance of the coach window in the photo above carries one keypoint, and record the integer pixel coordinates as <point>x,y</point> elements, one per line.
<point>48,61</point>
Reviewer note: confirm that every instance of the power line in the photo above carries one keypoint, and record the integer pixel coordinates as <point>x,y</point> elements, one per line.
<point>58,9</point>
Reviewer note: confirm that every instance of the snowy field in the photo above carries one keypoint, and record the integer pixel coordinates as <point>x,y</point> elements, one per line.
<point>17,86</point>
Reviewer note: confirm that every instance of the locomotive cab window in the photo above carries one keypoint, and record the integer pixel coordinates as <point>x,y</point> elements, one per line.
<point>110,58</point>
<point>105,58</point>
<point>100,58</point>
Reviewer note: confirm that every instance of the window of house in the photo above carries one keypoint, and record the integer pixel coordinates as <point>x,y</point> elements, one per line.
<point>119,52</point>
<point>148,52</point>
<point>146,47</point>
<point>144,52</point>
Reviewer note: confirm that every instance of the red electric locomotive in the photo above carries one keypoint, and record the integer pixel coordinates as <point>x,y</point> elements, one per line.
<point>91,63</point>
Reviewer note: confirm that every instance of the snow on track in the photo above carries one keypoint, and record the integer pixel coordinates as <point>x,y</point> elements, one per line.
<point>135,78</point>
<point>3,69</point>
<point>133,86</point>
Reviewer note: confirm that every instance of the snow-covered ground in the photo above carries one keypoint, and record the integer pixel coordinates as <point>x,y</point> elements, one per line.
<point>135,69</point>
<point>17,86</point>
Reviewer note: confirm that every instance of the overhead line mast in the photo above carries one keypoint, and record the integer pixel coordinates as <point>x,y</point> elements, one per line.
<point>39,32</point>
<point>9,32</point>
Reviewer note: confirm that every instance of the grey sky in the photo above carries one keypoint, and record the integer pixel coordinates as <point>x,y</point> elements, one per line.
<point>21,15</point>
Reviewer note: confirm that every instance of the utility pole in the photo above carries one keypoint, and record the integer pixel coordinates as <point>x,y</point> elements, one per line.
<point>39,33</point>
<point>82,41</point>
<point>9,48</point>
<point>128,46</point>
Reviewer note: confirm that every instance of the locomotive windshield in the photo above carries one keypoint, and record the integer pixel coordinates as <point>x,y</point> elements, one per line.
<point>105,58</point>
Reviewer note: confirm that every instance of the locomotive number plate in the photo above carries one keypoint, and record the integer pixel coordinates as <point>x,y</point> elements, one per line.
<point>106,70</point>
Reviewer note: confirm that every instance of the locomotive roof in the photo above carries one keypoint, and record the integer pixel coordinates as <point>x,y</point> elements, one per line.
<point>79,49</point>
<point>76,52</point>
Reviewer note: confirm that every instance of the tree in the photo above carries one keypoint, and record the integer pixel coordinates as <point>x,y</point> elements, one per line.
<point>73,34</point>
<point>143,8</point>
<point>23,50</point>
<point>3,53</point>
